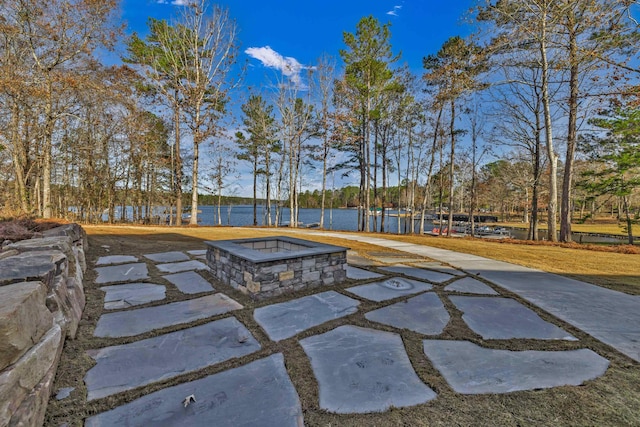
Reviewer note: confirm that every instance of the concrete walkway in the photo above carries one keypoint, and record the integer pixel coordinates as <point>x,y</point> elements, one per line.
<point>609,316</point>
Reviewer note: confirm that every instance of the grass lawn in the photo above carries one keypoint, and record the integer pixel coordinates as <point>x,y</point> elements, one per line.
<point>612,270</point>
<point>597,227</point>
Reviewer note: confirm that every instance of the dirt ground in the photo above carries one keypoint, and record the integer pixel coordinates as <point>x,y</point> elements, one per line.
<point>613,399</point>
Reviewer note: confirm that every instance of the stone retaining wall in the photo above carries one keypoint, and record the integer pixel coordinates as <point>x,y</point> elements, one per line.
<point>41,302</point>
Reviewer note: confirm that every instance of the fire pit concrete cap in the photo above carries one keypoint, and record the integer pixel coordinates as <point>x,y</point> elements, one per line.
<point>239,248</point>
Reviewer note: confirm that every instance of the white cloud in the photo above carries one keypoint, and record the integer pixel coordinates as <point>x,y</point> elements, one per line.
<point>394,11</point>
<point>288,66</point>
<point>176,2</point>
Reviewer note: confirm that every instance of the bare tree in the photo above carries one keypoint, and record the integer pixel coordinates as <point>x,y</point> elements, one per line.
<point>203,47</point>
<point>57,36</point>
<point>592,34</point>
<point>519,123</point>
<point>224,166</point>
<point>454,70</point>
<point>531,24</point>
<point>296,115</point>
<point>325,75</point>
<point>207,85</point>
<point>436,124</point>
<point>477,126</point>
<point>190,60</point>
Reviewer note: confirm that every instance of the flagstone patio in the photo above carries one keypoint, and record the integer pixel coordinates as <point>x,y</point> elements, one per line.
<point>356,369</point>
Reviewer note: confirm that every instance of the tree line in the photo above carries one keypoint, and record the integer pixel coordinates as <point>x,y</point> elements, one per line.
<point>535,112</point>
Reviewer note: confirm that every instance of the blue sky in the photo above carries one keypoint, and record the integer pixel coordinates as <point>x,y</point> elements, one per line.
<point>276,35</point>
<point>305,29</point>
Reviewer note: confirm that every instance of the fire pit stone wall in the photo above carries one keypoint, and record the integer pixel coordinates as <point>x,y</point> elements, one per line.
<point>271,266</point>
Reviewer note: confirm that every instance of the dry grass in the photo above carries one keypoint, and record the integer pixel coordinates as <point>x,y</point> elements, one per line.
<point>224,233</point>
<point>613,399</point>
<point>601,226</point>
<point>610,269</point>
<point>592,264</point>
<point>24,228</point>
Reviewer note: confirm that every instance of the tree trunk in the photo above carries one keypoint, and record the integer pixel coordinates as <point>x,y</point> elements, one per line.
<point>325,155</point>
<point>553,157</point>
<point>399,188</point>
<point>194,180</point>
<point>19,158</point>
<point>178,165</point>
<point>628,219</point>
<point>427,185</point>
<point>267,167</point>
<point>384,178</point>
<point>375,177</point>
<point>440,190</point>
<point>472,202</point>
<point>367,160</point>
<point>451,166</point>
<point>412,199</point>
<point>297,179</point>
<point>572,134</point>
<point>362,218</point>
<point>219,205</point>
<point>255,195</point>
<point>48,147</point>
<point>535,220</point>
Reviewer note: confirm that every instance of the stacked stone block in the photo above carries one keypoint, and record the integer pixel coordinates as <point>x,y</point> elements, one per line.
<point>41,302</point>
<point>263,279</point>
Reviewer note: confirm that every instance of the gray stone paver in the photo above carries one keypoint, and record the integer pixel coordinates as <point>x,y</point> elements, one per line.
<point>128,366</point>
<point>439,267</point>
<point>505,318</point>
<point>116,259</point>
<point>64,392</point>
<point>284,320</point>
<point>354,259</point>
<point>257,394</point>
<point>360,273</point>
<point>362,370</point>
<point>470,369</point>
<point>389,289</point>
<point>122,273</point>
<point>131,294</point>
<point>134,322</point>
<point>419,273</point>
<point>197,252</point>
<point>470,285</point>
<point>424,314</point>
<point>396,259</point>
<point>609,316</point>
<point>177,267</point>
<point>173,256</point>
<point>189,282</point>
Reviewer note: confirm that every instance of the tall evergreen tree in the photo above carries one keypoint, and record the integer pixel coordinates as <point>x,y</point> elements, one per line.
<point>259,147</point>
<point>617,160</point>
<point>367,57</point>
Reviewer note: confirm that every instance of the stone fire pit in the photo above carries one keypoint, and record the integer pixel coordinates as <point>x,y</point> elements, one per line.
<point>271,266</point>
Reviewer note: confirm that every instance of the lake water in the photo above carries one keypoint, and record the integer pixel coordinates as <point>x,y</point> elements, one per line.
<point>242,215</point>
<point>334,219</point>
